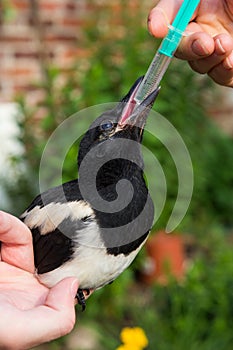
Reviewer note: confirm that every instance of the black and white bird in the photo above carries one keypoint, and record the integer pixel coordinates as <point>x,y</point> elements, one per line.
<point>93,229</point>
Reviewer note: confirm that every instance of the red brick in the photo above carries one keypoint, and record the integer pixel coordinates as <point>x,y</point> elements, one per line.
<point>21,4</point>
<point>77,52</point>
<point>15,38</point>
<point>31,55</point>
<point>26,54</point>
<point>60,37</point>
<point>44,22</point>
<point>18,71</point>
<point>51,5</point>
<point>71,5</point>
<point>74,22</point>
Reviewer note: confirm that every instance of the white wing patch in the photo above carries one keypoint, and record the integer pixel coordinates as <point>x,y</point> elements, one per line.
<point>50,216</point>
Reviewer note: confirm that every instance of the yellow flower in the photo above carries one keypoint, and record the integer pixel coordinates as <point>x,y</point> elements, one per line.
<point>128,347</point>
<point>133,338</point>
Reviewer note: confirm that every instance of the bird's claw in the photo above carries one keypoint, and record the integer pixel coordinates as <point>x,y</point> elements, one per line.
<point>82,298</point>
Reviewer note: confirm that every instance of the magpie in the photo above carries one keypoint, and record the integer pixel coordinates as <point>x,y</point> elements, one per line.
<point>94,226</point>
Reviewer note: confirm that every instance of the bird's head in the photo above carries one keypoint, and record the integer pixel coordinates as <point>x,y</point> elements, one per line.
<point>111,176</point>
<point>126,121</point>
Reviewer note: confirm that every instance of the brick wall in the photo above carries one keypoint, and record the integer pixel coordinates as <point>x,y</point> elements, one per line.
<point>22,45</point>
<point>51,29</point>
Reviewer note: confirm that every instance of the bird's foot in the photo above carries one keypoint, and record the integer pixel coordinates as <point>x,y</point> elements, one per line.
<point>81,297</point>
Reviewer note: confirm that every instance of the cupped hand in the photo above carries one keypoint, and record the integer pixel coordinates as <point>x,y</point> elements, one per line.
<point>31,314</point>
<point>208,47</point>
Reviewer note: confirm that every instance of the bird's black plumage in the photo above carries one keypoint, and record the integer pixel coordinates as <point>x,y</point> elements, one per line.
<point>74,237</point>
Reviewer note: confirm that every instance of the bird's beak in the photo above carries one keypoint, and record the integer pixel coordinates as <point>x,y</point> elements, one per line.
<point>133,113</point>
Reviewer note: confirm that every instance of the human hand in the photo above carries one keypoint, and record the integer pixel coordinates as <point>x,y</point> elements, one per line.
<point>209,47</point>
<point>31,314</point>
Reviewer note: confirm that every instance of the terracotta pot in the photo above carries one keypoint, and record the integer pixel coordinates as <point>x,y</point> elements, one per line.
<point>165,256</point>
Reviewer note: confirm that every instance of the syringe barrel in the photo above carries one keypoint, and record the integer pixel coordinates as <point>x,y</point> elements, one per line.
<point>153,76</point>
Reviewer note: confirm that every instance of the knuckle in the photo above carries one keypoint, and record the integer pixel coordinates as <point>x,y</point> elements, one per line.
<point>197,68</point>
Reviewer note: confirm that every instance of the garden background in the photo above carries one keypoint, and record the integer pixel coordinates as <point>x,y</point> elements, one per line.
<point>58,57</point>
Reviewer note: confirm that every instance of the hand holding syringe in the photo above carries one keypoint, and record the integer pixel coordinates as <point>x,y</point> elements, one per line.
<point>166,51</point>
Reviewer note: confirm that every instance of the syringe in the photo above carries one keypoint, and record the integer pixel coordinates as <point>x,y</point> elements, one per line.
<point>166,51</point>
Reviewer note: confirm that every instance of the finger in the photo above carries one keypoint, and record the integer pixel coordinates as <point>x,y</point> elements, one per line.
<point>223,47</point>
<point>16,241</point>
<point>223,73</point>
<point>196,45</point>
<point>161,16</point>
<point>50,321</point>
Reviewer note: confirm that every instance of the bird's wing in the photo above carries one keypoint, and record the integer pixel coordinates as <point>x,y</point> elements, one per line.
<point>56,221</point>
<point>50,250</point>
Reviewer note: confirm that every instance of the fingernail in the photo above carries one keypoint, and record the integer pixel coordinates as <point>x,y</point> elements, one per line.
<point>228,64</point>
<point>199,49</point>
<point>74,288</point>
<point>219,47</point>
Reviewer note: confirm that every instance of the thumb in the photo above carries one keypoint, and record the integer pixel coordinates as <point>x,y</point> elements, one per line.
<point>55,318</point>
<point>60,300</point>
<point>157,22</point>
<point>62,294</point>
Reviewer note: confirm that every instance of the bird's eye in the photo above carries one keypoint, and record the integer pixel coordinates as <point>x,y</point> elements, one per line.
<point>107,126</point>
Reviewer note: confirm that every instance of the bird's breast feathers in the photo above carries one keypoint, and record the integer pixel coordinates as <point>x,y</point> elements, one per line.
<point>93,267</point>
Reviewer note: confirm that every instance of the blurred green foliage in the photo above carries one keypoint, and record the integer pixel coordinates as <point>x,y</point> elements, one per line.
<point>196,314</point>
